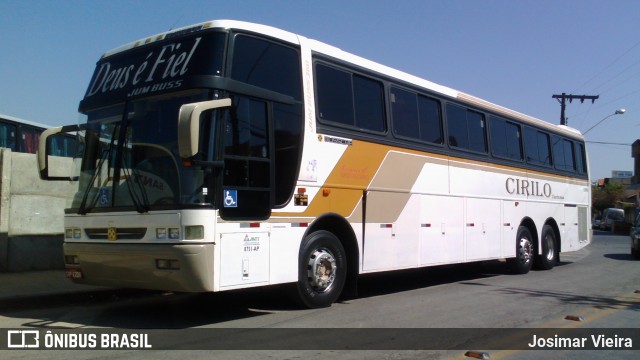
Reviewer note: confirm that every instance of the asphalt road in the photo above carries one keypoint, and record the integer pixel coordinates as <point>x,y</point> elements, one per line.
<point>405,315</point>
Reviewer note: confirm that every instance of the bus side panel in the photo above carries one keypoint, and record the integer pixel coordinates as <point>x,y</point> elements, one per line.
<point>285,248</point>
<point>263,255</point>
<point>244,259</point>
<point>391,231</point>
<point>570,228</point>
<point>482,229</point>
<point>441,232</point>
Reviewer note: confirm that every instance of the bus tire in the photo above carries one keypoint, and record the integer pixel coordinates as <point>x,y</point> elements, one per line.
<point>549,257</point>
<point>322,270</point>
<point>523,261</point>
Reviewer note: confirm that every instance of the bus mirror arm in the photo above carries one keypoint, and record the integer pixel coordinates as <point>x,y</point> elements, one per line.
<point>189,124</point>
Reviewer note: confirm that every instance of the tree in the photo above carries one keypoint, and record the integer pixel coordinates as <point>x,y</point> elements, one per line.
<point>607,197</point>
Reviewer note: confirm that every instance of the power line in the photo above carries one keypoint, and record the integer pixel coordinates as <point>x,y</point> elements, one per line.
<point>610,65</point>
<point>618,75</point>
<point>606,143</point>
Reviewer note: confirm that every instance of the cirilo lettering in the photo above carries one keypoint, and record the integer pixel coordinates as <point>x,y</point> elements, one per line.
<point>528,188</point>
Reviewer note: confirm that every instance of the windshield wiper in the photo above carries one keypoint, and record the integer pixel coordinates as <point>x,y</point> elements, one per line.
<point>106,153</point>
<point>83,205</point>
<point>141,202</point>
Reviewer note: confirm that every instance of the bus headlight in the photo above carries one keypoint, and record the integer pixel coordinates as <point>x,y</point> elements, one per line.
<point>194,232</point>
<point>72,233</point>
<point>161,233</point>
<point>168,233</point>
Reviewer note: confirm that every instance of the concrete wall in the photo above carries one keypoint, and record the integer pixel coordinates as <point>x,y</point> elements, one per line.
<point>32,212</point>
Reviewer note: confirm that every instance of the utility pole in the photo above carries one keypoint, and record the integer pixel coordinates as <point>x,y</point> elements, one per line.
<point>562,100</point>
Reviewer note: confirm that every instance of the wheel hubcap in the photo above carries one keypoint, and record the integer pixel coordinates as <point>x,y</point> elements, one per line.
<point>551,251</point>
<point>525,251</point>
<point>321,270</point>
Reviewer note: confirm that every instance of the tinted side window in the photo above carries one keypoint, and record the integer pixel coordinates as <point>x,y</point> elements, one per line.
<point>267,65</point>
<point>558,153</point>
<point>335,101</point>
<point>287,124</point>
<point>537,147</point>
<point>569,155</point>
<point>581,160</point>
<point>430,120</point>
<point>349,99</point>
<point>467,129</point>
<point>457,126</point>
<point>477,131</point>
<point>274,67</point>
<point>544,147</point>
<point>563,156</point>
<point>404,109</point>
<point>505,139</point>
<point>246,132</point>
<point>369,104</point>
<point>416,116</point>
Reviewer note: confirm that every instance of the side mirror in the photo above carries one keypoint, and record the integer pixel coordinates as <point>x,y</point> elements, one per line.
<point>45,148</point>
<point>189,124</point>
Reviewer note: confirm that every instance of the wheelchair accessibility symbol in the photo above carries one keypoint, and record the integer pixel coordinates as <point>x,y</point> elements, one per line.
<point>104,195</point>
<point>231,198</point>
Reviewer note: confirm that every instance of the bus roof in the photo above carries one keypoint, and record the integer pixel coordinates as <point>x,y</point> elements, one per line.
<point>332,51</point>
<point>23,121</point>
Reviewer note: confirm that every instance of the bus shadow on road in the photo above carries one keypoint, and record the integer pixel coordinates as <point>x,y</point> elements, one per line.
<point>370,285</point>
<point>619,256</point>
<point>156,310</point>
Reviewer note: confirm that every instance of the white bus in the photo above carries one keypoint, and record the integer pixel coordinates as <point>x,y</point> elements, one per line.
<point>229,155</point>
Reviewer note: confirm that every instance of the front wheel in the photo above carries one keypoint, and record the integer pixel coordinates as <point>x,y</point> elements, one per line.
<point>549,257</point>
<point>523,261</point>
<point>321,269</point>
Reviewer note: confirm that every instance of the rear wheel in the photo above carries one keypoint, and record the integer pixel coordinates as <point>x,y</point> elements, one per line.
<point>549,257</point>
<point>523,261</point>
<point>321,270</point>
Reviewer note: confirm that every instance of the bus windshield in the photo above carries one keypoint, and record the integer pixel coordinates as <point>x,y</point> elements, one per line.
<point>131,157</point>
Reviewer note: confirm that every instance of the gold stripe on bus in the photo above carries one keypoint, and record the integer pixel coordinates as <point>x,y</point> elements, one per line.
<point>374,167</point>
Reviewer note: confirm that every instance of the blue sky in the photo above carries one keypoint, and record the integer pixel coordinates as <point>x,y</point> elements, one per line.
<point>513,53</point>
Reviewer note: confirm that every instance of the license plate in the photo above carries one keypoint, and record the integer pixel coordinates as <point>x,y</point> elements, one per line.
<point>73,274</point>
